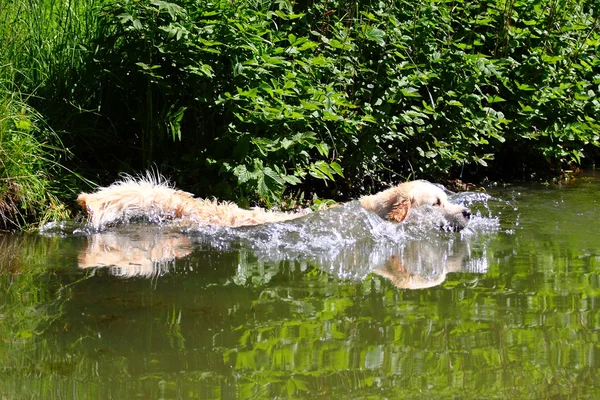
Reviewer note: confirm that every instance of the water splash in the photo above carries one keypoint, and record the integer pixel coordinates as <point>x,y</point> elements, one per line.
<point>351,243</point>
<point>347,241</point>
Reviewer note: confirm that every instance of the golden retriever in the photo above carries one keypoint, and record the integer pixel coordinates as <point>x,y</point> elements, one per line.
<point>155,198</point>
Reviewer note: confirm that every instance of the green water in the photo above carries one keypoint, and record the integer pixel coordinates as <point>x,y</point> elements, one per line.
<point>334,306</point>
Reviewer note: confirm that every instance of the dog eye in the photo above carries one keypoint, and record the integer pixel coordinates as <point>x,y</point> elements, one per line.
<point>438,202</point>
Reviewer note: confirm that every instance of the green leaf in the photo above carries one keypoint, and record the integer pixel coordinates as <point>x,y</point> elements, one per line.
<point>311,105</point>
<point>337,168</point>
<point>524,86</point>
<point>125,18</point>
<point>300,385</point>
<point>173,9</point>
<point>410,92</point>
<point>526,108</point>
<point>207,70</point>
<point>320,61</point>
<point>551,59</point>
<point>279,181</point>
<point>376,35</point>
<point>495,99</point>
<point>23,124</point>
<point>308,45</point>
<point>291,179</point>
<point>137,24</point>
<point>174,31</point>
<point>336,44</point>
<point>289,16</point>
<point>323,148</point>
<point>369,119</point>
<point>173,119</point>
<point>329,116</point>
<point>242,173</point>
<point>322,170</point>
<point>481,161</point>
<point>270,185</point>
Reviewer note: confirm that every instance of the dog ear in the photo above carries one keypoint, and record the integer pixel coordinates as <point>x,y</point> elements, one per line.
<point>82,200</point>
<point>399,211</point>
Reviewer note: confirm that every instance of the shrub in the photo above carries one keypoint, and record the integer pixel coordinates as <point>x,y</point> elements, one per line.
<point>269,95</point>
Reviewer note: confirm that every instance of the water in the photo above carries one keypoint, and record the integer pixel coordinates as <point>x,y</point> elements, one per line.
<point>338,303</point>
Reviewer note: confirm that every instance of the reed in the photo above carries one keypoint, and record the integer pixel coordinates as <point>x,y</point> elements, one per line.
<point>29,155</point>
<point>42,48</point>
<point>43,41</point>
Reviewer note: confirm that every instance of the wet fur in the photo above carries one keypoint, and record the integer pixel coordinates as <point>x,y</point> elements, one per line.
<point>154,197</point>
<point>394,204</point>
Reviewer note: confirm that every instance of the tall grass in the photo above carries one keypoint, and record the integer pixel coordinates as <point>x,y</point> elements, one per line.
<point>28,160</point>
<point>43,41</point>
<point>42,46</point>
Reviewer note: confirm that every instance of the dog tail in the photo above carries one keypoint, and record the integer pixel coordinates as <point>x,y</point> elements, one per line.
<point>150,196</point>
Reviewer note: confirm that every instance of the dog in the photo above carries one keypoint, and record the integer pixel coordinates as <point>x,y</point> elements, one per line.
<point>152,196</point>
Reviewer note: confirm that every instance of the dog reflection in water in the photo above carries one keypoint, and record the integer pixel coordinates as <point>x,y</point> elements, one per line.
<point>143,254</point>
<point>152,253</point>
<point>423,265</point>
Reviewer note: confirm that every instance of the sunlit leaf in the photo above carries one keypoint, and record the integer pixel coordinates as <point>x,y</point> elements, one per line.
<point>376,35</point>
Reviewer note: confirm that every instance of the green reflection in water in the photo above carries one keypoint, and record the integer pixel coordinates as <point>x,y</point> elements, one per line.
<point>172,316</point>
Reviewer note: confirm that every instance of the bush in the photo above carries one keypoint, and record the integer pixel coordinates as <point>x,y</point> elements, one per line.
<point>267,95</point>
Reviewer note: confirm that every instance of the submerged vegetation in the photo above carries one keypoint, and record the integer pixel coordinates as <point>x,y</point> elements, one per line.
<point>270,101</point>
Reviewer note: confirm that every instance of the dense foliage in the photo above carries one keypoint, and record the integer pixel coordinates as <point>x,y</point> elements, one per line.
<point>271,95</point>
<point>257,100</point>
<point>40,51</point>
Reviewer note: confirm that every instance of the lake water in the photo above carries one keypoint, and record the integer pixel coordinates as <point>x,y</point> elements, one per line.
<point>338,304</point>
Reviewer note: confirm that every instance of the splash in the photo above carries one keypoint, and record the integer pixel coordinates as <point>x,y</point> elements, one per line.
<point>352,243</point>
<point>347,241</point>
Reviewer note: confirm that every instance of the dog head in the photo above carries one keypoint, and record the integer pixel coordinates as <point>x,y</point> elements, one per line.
<point>394,204</point>
<point>423,193</point>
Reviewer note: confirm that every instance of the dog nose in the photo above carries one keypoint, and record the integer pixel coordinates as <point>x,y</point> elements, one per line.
<point>466,213</point>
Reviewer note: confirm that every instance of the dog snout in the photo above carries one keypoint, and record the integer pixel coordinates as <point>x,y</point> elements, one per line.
<point>466,213</point>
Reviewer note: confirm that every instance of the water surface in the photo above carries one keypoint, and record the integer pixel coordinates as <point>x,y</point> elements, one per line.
<point>338,303</point>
